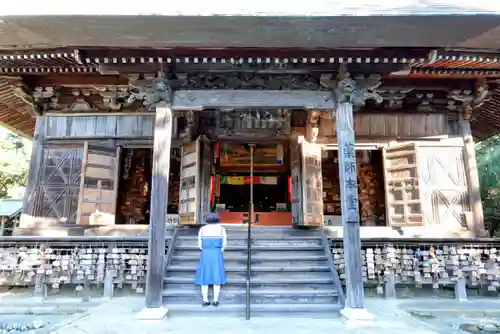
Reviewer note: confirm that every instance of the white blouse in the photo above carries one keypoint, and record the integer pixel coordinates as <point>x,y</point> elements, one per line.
<point>210,231</point>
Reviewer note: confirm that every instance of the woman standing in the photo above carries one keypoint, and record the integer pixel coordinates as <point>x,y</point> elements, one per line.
<point>211,241</point>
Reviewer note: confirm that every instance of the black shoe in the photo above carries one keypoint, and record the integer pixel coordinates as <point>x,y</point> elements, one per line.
<point>204,304</point>
<point>215,304</point>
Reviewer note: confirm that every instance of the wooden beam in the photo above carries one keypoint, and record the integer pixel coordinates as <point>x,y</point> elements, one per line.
<point>159,193</point>
<point>472,174</point>
<point>255,52</point>
<point>276,68</point>
<point>76,80</point>
<point>202,99</point>
<point>30,192</point>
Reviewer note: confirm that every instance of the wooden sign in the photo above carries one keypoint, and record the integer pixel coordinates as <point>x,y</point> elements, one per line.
<point>347,164</point>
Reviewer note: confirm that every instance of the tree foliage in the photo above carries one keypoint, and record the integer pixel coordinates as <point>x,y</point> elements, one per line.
<point>14,162</point>
<point>488,162</point>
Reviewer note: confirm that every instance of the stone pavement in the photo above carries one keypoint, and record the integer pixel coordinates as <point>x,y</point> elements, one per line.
<point>66,314</point>
<point>391,316</point>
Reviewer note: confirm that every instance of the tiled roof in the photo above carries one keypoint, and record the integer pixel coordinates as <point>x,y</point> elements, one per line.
<point>8,207</point>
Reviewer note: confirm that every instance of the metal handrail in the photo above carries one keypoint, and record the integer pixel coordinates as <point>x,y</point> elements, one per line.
<point>249,267</point>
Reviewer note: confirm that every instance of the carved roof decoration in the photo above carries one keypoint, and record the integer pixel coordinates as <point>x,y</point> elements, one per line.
<point>92,99</point>
<point>250,68</point>
<point>245,80</point>
<point>392,94</point>
<point>409,61</point>
<point>16,107</point>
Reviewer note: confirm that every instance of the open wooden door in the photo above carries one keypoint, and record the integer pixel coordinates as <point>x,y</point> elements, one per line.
<point>194,196</point>
<point>98,185</point>
<point>312,184</point>
<point>444,186</point>
<point>403,187</point>
<point>296,186</point>
<point>205,172</point>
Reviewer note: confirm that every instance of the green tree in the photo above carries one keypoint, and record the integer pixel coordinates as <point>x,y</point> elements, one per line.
<point>488,162</point>
<point>14,162</point>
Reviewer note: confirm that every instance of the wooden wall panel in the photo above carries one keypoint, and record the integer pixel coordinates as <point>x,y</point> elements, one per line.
<point>444,186</point>
<point>110,126</point>
<point>392,125</point>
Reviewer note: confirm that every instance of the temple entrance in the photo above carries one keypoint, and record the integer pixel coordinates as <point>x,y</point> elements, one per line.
<point>134,186</point>
<point>371,187</point>
<point>268,173</point>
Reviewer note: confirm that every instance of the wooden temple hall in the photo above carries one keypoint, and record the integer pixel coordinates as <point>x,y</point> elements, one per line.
<point>358,127</point>
<point>268,111</point>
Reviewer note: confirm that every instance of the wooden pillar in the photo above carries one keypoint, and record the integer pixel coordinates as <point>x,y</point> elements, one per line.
<point>348,93</point>
<point>471,171</point>
<point>159,191</point>
<point>349,205</point>
<point>30,192</point>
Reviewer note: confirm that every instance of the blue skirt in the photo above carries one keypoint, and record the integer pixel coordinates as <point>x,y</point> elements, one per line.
<point>211,269</point>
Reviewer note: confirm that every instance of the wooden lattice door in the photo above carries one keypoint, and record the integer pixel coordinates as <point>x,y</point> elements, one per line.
<point>403,186</point>
<point>57,196</point>
<point>444,186</point>
<point>312,183</point>
<point>99,185</point>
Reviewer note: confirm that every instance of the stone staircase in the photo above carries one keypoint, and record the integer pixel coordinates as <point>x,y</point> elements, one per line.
<point>290,275</point>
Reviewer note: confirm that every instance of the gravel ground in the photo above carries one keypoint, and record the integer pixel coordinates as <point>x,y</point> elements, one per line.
<point>29,323</point>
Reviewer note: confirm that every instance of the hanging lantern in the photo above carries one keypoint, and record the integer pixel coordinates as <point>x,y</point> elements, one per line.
<point>279,154</point>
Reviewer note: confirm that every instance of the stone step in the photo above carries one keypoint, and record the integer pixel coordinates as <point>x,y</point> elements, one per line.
<point>263,236</point>
<point>258,310</point>
<point>257,269</point>
<point>255,257</point>
<point>242,261</point>
<point>256,248</point>
<point>262,279</point>
<point>259,252</point>
<point>267,290</point>
<point>302,243</point>
<point>240,285</point>
<point>262,233</point>
<point>257,297</point>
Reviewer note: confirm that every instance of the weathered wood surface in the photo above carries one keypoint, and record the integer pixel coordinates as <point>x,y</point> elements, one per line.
<point>443,186</point>
<point>110,126</point>
<point>99,185</point>
<point>312,184</point>
<point>391,125</point>
<point>472,174</point>
<point>32,189</point>
<point>201,99</point>
<point>159,193</point>
<point>250,123</point>
<point>349,205</point>
<point>189,179</point>
<point>296,180</point>
<point>59,184</point>
<point>403,186</point>
<point>205,179</point>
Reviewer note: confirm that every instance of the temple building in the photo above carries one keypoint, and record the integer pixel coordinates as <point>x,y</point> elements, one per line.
<point>361,126</point>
